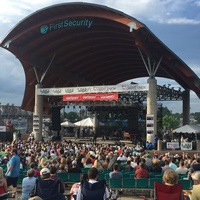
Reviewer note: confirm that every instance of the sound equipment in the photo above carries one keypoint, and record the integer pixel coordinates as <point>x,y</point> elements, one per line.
<point>55,114</point>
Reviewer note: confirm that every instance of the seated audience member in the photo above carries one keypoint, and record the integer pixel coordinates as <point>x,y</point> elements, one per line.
<point>148,160</point>
<point>3,185</point>
<point>115,173</point>
<point>88,163</point>
<point>74,168</point>
<point>149,146</point>
<point>97,165</point>
<point>106,163</point>
<point>120,166</point>
<point>47,188</point>
<point>36,172</point>
<point>134,163</point>
<point>195,166</point>
<point>74,189</point>
<point>62,169</point>
<point>143,160</point>
<point>93,189</point>
<point>141,172</point>
<point>170,177</point>
<point>196,187</point>
<point>172,163</point>
<point>182,169</point>
<point>55,177</point>
<point>128,166</point>
<point>156,167</point>
<point>28,184</point>
<point>166,166</point>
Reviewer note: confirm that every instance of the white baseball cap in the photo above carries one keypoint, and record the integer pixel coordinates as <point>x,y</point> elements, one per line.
<point>44,171</point>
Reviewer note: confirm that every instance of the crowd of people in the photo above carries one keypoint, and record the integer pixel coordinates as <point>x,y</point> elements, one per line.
<point>47,159</point>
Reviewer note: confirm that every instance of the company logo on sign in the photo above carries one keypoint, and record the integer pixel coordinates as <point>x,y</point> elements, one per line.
<point>91,97</point>
<point>186,145</point>
<point>44,29</point>
<point>66,23</point>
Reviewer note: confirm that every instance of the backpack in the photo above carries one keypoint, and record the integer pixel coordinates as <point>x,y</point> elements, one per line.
<point>93,191</point>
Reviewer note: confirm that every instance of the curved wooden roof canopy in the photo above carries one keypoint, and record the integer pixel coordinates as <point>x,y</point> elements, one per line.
<point>104,52</point>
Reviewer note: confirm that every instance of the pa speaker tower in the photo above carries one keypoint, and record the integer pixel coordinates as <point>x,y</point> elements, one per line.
<point>55,112</point>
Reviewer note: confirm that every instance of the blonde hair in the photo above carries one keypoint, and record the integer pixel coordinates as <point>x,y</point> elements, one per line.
<point>42,162</point>
<point>196,176</point>
<point>1,173</point>
<point>96,163</point>
<point>170,177</point>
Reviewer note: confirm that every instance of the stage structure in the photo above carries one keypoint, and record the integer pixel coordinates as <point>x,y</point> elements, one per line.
<point>112,97</point>
<point>83,44</point>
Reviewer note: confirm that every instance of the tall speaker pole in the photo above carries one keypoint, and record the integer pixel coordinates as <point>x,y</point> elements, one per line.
<point>55,113</point>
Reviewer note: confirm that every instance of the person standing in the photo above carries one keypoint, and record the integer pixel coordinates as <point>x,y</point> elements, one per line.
<point>103,133</point>
<point>13,169</point>
<point>19,135</point>
<point>94,137</point>
<point>156,142</point>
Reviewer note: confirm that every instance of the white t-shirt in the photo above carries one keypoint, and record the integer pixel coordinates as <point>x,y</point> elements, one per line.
<point>181,170</point>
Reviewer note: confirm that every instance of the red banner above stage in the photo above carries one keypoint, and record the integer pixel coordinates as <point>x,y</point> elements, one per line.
<point>91,97</point>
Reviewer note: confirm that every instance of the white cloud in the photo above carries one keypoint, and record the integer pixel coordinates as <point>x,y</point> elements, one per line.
<point>197,3</point>
<point>183,21</point>
<point>169,11</point>
<point>12,74</point>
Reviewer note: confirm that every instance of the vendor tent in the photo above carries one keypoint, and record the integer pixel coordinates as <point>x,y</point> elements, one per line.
<point>193,128</point>
<point>85,122</point>
<point>88,122</point>
<point>67,124</point>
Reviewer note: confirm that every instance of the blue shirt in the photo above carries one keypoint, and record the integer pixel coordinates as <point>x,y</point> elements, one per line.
<point>115,175</point>
<point>15,162</point>
<point>28,184</point>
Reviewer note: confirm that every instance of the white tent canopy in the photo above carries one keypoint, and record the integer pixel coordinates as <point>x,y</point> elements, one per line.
<point>193,128</point>
<point>67,124</point>
<point>85,122</point>
<point>88,122</point>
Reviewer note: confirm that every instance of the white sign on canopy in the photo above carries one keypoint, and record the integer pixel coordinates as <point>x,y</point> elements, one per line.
<point>92,89</point>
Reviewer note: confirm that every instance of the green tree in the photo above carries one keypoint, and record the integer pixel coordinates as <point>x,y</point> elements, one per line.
<point>196,116</point>
<point>177,116</point>
<point>170,122</point>
<point>72,116</point>
<point>166,111</point>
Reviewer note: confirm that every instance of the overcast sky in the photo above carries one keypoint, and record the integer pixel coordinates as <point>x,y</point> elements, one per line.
<point>175,22</point>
